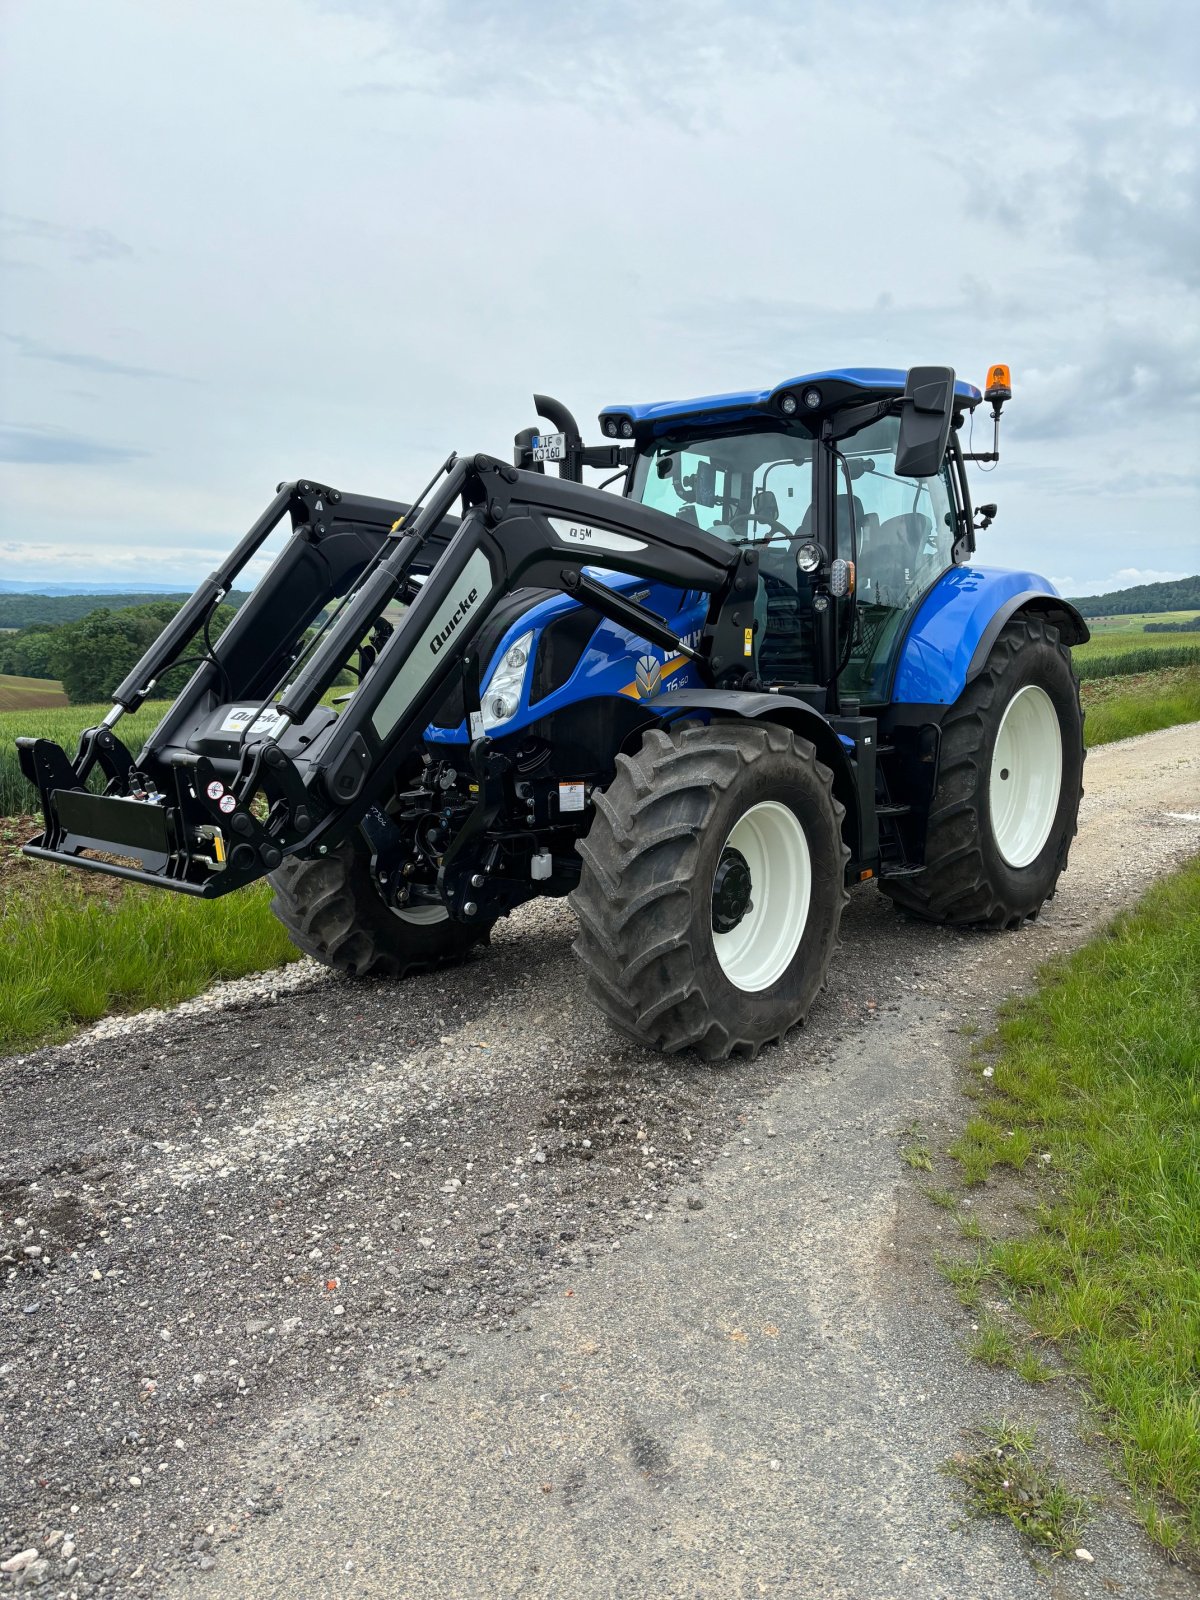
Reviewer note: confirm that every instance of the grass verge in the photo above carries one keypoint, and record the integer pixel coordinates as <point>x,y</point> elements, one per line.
<point>1118,708</point>
<point>1096,1084</point>
<point>69,955</point>
<point>1007,1477</point>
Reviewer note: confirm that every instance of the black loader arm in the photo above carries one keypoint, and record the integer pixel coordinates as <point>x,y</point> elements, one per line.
<point>204,816</point>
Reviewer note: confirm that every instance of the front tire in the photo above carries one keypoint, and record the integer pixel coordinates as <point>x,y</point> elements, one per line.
<point>1009,784</point>
<point>334,912</point>
<point>712,888</point>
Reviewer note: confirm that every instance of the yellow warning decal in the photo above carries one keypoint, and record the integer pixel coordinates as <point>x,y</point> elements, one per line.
<point>748,647</point>
<point>219,844</point>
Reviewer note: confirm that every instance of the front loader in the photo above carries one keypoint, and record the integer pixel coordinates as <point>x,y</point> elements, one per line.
<point>703,707</point>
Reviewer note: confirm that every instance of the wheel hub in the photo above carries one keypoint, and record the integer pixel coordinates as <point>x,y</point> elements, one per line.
<point>731,891</point>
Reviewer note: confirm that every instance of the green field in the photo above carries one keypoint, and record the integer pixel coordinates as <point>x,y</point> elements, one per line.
<point>1098,1076</point>
<point>1119,641</point>
<point>1138,620</point>
<point>63,724</point>
<point>17,694</point>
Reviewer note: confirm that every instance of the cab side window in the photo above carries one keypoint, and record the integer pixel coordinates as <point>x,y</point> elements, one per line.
<point>906,529</point>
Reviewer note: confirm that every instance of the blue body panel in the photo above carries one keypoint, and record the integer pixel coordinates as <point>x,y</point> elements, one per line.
<point>876,380</point>
<point>608,666</point>
<point>949,623</point>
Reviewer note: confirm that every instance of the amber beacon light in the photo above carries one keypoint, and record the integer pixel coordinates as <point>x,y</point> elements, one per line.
<point>998,388</point>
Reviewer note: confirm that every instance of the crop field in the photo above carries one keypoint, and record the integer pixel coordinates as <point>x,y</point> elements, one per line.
<point>1137,619</point>
<point>29,694</point>
<point>1118,641</point>
<point>62,723</point>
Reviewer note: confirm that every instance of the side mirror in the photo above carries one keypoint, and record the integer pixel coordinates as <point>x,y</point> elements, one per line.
<point>927,411</point>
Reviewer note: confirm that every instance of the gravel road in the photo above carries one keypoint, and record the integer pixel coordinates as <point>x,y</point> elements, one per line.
<point>317,1287</point>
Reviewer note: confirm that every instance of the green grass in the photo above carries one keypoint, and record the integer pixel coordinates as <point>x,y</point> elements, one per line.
<point>1100,1070</point>
<point>917,1157</point>
<point>1118,709</point>
<point>966,1277</point>
<point>1007,1478</point>
<point>63,724</point>
<point>993,1344</point>
<point>68,956</point>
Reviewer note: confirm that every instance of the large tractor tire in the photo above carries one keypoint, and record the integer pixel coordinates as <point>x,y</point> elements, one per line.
<point>1010,780</point>
<point>333,911</point>
<point>712,888</point>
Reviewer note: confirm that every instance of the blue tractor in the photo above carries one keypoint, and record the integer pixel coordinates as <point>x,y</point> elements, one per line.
<point>757,666</point>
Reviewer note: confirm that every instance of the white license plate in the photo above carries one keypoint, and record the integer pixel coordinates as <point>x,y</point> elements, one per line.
<point>550,447</point>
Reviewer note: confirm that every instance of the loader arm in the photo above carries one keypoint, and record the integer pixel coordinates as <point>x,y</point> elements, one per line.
<point>208,820</point>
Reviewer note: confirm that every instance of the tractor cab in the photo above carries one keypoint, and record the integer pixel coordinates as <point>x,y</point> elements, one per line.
<point>823,475</point>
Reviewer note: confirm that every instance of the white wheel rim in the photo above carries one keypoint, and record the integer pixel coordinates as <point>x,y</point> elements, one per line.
<point>1026,776</point>
<point>756,953</point>
<point>423,916</point>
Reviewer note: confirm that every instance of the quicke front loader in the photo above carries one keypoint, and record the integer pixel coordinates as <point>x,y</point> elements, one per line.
<point>703,706</point>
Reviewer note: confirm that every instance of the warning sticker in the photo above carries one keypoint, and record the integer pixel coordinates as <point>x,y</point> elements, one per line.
<point>748,647</point>
<point>215,789</point>
<point>571,797</point>
<point>240,718</point>
<point>478,728</point>
<point>228,803</point>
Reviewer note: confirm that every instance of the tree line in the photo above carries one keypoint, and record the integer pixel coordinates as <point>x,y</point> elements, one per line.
<point>1180,594</point>
<point>91,655</point>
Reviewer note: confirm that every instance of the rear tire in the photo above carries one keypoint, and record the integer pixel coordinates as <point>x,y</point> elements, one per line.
<point>998,833</point>
<point>737,813</point>
<point>333,911</point>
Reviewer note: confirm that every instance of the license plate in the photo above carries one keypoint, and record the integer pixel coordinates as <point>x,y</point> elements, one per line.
<point>549,446</point>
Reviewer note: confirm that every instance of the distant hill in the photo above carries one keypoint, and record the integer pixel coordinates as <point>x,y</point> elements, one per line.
<point>15,586</point>
<point>1182,594</point>
<point>47,608</point>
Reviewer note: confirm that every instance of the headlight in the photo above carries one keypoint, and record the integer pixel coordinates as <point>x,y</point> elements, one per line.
<point>808,556</point>
<point>502,696</point>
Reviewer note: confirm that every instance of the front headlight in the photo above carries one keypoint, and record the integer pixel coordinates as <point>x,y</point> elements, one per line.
<point>502,696</point>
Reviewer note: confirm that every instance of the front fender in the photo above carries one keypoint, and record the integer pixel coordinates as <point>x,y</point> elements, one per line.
<point>792,712</point>
<point>959,620</point>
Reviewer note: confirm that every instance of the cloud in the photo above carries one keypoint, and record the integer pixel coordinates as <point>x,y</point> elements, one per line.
<point>608,202</point>
<point>86,245</point>
<point>31,445</point>
<point>35,351</point>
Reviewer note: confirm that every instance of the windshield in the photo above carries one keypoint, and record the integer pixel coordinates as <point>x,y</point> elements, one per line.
<point>744,487</point>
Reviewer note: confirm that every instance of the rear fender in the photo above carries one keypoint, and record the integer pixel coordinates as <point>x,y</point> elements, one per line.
<point>959,620</point>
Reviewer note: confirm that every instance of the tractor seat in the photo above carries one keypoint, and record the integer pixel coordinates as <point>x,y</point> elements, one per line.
<point>898,559</point>
<point>842,518</point>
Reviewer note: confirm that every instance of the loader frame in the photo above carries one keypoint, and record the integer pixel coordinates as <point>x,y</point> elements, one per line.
<point>205,824</point>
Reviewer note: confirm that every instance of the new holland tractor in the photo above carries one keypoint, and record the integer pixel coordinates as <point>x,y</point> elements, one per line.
<point>703,703</point>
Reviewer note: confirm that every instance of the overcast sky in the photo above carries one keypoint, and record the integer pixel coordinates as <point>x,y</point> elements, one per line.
<point>337,238</point>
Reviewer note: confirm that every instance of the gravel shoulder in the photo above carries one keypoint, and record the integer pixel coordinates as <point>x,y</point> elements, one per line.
<point>442,1289</point>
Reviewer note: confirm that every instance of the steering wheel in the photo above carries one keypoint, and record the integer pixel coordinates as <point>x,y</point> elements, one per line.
<point>745,518</point>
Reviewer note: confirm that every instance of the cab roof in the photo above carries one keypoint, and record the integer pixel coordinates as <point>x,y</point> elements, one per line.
<point>835,387</point>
